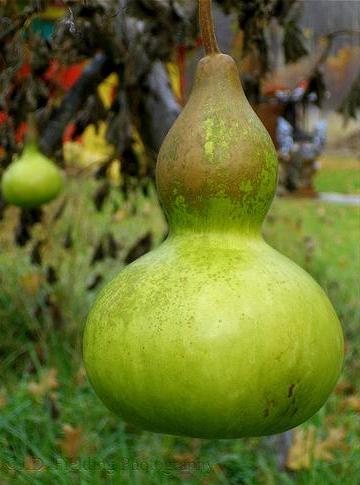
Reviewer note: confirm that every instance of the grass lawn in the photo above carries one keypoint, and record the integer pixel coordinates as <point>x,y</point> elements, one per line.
<point>338,174</point>
<point>53,428</point>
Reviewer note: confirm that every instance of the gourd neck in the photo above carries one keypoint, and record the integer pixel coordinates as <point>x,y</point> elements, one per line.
<point>31,147</point>
<point>217,168</point>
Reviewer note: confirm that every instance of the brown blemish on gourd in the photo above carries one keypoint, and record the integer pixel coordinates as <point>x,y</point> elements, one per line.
<point>291,390</point>
<point>291,408</point>
<point>294,412</point>
<point>269,406</point>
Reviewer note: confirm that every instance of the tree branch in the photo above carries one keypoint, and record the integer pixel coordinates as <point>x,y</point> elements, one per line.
<point>153,105</point>
<point>155,113</point>
<point>93,75</point>
<point>26,15</point>
<point>329,43</point>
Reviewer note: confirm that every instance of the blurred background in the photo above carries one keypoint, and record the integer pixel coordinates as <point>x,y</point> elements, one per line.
<point>106,79</point>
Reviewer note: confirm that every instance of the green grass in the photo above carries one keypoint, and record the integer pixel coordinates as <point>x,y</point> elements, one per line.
<point>338,174</point>
<point>321,237</point>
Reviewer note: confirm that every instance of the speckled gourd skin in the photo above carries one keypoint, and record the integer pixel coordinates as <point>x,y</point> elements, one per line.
<point>32,180</point>
<point>217,168</point>
<point>214,334</point>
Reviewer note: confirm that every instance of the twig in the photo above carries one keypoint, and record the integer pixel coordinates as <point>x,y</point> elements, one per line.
<point>92,76</point>
<point>27,14</point>
<point>330,37</point>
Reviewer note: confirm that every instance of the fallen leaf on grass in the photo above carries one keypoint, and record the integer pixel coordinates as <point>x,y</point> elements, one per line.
<point>301,450</point>
<point>147,209</point>
<point>120,215</point>
<point>186,462</point>
<point>331,419</point>
<point>80,376</point>
<point>48,382</point>
<point>305,448</point>
<point>335,440</point>
<point>321,212</point>
<point>72,441</point>
<point>32,464</point>
<point>344,387</point>
<point>31,283</point>
<point>183,458</point>
<point>353,403</point>
<point>298,224</point>
<point>342,261</point>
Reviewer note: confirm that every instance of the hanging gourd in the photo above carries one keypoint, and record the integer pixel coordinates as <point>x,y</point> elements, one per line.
<point>32,179</point>
<point>214,334</point>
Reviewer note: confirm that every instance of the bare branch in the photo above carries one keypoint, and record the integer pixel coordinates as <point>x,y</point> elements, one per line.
<point>93,74</point>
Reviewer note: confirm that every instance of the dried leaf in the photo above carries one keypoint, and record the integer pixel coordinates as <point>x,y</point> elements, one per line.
<point>32,464</point>
<point>80,376</point>
<point>48,382</point>
<point>121,215</point>
<point>353,403</point>
<point>321,211</point>
<point>72,441</point>
<point>300,453</point>
<point>147,209</point>
<point>31,283</point>
<point>183,458</point>
<point>344,387</point>
<point>334,441</point>
<point>342,261</point>
<point>305,447</point>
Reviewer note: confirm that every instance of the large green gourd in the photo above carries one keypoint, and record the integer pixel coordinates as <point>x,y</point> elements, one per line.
<point>214,334</point>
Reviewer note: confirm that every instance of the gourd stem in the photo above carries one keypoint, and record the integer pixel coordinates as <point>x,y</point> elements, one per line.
<point>32,132</point>
<point>207,27</point>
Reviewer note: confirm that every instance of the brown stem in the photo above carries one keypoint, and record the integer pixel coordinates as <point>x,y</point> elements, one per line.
<point>207,27</point>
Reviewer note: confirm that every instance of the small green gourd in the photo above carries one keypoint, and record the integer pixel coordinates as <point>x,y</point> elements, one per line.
<point>32,179</point>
